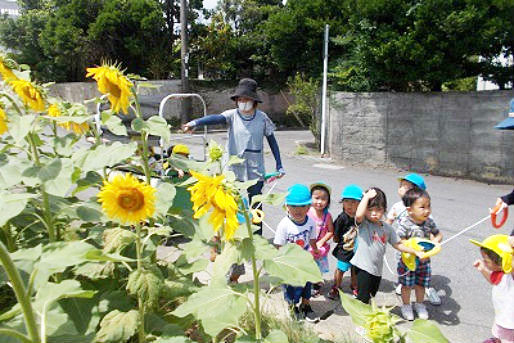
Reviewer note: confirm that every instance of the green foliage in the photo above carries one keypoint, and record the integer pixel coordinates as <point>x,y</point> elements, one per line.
<point>117,326</point>
<point>404,46</point>
<point>381,327</point>
<point>147,284</point>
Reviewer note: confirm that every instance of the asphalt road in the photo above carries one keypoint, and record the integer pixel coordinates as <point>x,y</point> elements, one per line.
<point>466,314</point>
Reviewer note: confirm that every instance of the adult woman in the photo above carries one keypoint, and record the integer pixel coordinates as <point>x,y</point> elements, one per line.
<point>247,127</point>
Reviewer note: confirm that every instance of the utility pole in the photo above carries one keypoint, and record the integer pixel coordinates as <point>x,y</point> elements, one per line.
<point>324,91</point>
<point>184,57</point>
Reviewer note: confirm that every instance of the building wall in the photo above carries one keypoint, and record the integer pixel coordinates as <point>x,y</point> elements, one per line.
<point>442,133</point>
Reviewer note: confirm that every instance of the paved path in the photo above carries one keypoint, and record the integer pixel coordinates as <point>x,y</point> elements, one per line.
<point>466,313</point>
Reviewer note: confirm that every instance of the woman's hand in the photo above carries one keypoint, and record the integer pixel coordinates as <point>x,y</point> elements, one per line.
<point>188,127</point>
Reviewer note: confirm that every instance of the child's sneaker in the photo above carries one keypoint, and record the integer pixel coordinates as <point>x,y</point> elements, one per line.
<point>308,313</point>
<point>433,297</point>
<point>398,289</point>
<point>333,293</point>
<point>421,310</point>
<point>355,293</point>
<point>407,313</point>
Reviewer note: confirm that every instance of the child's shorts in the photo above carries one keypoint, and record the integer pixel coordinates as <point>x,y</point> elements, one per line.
<point>343,266</point>
<point>505,335</point>
<point>293,294</point>
<point>322,264</point>
<point>421,276</point>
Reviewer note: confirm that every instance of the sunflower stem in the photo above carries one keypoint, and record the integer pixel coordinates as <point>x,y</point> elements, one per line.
<point>14,104</point>
<point>256,288</point>
<point>11,246</point>
<point>46,204</point>
<point>139,252</point>
<point>21,294</point>
<point>146,167</point>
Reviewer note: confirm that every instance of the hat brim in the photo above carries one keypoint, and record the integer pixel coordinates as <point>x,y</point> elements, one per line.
<point>254,97</point>
<point>321,184</point>
<point>506,124</point>
<point>351,198</point>
<point>305,203</point>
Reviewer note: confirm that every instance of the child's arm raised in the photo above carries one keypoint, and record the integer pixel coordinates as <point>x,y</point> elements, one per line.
<point>363,205</point>
<point>486,273</point>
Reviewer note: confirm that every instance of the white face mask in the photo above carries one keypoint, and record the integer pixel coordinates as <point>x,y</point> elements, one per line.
<point>245,106</point>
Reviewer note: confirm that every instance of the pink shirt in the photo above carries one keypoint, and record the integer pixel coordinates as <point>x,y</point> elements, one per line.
<point>321,229</point>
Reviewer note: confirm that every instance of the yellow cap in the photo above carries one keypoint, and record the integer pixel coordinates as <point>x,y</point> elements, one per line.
<point>500,245</point>
<point>180,149</point>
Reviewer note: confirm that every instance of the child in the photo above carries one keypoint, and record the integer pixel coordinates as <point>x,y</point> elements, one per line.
<point>496,267</point>
<point>372,236</point>
<point>408,182</point>
<point>298,228</point>
<point>416,223</point>
<point>320,195</point>
<point>345,232</point>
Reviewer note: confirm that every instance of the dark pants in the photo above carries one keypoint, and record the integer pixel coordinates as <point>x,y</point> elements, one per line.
<point>293,294</point>
<point>253,191</point>
<point>367,285</point>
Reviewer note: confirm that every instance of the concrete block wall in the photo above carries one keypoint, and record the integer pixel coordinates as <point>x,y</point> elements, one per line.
<point>217,100</point>
<point>442,133</point>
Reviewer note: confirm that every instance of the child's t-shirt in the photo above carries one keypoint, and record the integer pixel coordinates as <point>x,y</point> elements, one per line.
<point>397,209</point>
<point>371,246</point>
<point>503,300</point>
<point>290,232</point>
<point>407,228</point>
<point>342,225</point>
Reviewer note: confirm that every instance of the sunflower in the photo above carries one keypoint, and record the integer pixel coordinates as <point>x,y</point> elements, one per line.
<point>3,121</point>
<point>208,193</point>
<point>5,71</point>
<point>79,129</point>
<point>29,94</point>
<point>127,199</point>
<point>111,81</point>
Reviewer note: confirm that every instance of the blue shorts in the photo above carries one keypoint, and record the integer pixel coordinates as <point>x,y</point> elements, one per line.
<point>343,266</point>
<point>293,294</point>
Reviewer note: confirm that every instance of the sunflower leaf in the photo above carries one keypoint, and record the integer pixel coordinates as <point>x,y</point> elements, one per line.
<point>114,123</point>
<point>217,308</point>
<point>165,194</point>
<point>20,126</point>
<point>158,126</point>
<point>117,326</point>
<point>294,265</point>
<point>115,240</point>
<point>274,199</point>
<point>147,283</point>
<point>12,204</point>
<point>425,331</point>
<point>355,308</point>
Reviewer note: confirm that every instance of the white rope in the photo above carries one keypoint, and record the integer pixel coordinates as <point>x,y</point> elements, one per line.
<point>449,239</point>
<point>393,272</point>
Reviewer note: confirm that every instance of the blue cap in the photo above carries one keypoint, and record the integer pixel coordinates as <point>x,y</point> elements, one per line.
<point>298,195</point>
<point>415,179</point>
<point>352,191</point>
<point>507,124</point>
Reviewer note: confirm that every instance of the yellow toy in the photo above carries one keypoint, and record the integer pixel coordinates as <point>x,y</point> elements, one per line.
<point>257,216</point>
<point>180,149</point>
<point>500,245</point>
<point>428,248</point>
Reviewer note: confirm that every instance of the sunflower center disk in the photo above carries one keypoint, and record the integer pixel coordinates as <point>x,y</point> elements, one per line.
<point>131,200</point>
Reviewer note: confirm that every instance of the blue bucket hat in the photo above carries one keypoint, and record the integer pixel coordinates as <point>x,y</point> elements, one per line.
<point>298,195</point>
<point>507,124</point>
<point>415,179</point>
<point>352,191</point>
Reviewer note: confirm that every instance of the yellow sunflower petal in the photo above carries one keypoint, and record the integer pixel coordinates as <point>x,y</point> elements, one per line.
<point>127,199</point>
<point>111,81</point>
<point>3,121</point>
<point>5,71</point>
<point>29,94</point>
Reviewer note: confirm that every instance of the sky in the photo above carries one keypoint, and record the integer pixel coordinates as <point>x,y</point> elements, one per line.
<point>209,4</point>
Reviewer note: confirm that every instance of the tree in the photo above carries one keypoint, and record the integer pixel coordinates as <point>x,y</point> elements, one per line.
<point>406,45</point>
<point>295,33</point>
